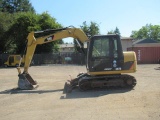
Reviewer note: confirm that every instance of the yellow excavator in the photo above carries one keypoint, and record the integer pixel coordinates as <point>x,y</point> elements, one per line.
<point>106,62</point>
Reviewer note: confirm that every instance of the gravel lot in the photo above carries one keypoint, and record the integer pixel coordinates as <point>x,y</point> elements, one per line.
<point>48,102</point>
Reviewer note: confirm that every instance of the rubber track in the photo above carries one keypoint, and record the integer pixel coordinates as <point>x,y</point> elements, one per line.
<point>123,77</point>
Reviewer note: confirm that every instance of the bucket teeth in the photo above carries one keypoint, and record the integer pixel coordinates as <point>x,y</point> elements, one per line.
<point>26,82</point>
<point>67,88</point>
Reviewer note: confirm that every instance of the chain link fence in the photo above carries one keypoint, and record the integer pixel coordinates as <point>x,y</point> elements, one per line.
<point>3,58</point>
<point>56,58</point>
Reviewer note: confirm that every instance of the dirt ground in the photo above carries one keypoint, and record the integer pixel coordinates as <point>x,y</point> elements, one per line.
<point>48,102</point>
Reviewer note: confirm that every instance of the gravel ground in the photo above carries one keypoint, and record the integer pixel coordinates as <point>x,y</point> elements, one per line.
<point>48,102</point>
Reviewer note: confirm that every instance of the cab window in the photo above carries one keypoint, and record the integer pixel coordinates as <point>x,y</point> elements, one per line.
<point>101,47</point>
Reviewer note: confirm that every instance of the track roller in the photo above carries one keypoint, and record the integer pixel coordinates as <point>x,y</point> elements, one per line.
<point>84,84</point>
<point>130,81</point>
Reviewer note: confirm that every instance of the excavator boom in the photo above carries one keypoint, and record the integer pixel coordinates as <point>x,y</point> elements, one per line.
<point>25,80</point>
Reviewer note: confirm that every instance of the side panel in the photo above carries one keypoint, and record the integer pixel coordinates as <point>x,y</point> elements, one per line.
<point>130,61</point>
<point>129,66</point>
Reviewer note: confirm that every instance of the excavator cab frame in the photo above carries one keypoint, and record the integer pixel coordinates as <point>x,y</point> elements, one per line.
<point>105,53</point>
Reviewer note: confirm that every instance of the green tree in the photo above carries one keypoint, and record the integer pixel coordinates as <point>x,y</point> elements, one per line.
<point>110,32</point>
<point>12,6</point>
<point>0,5</point>
<point>94,28</point>
<point>9,13</point>
<point>147,31</point>
<point>7,20</point>
<point>90,30</point>
<point>116,31</point>
<point>27,22</point>
<point>155,32</point>
<point>85,28</point>
<point>48,22</point>
<point>18,32</point>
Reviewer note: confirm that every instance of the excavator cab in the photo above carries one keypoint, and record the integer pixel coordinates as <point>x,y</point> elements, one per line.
<point>105,54</point>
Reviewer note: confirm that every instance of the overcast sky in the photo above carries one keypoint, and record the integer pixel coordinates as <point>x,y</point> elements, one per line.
<point>127,15</point>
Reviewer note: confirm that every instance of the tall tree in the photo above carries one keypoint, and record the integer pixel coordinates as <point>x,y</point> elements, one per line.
<point>18,32</point>
<point>8,10</point>
<point>89,29</point>
<point>0,5</point>
<point>27,22</point>
<point>7,20</point>
<point>147,31</point>
<point>116,31</point>
<point>110,32</point>
<point>12,6</point>
<point>48,22</point>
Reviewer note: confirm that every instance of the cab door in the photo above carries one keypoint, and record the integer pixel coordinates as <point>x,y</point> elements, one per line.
<point>105,53</point>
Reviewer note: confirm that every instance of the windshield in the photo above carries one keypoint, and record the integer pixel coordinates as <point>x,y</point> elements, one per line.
<point>105,47</point>
<point>101,47</point>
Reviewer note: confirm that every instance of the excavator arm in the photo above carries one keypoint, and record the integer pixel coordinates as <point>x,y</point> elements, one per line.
<point>25,80</point>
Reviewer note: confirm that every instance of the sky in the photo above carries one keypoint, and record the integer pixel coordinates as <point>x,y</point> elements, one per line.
<point>126,15</point>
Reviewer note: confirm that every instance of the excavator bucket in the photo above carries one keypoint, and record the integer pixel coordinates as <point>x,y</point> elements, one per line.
<point>26,82</point>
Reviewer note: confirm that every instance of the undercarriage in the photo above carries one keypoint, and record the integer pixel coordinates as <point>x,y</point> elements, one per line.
<point>86,82</point>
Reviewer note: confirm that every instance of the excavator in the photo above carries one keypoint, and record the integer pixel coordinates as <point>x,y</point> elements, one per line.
<point>106,63</point>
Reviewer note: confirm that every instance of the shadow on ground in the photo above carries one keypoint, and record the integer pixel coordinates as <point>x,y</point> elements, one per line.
<point>93,93</point>
<point>158,68</point>
<point>19,91</point>
<point>75,94</point>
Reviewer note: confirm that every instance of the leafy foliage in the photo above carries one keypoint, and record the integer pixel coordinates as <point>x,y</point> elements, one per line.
<point>12,6</point>
<point>16,33</point>
<point>116,31</point>
<point>110,32</point>
<point>7,20</point>
<point>90,30</point>
<point>9,12</point>
<point>48,22</point>
<point>147,31</point>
